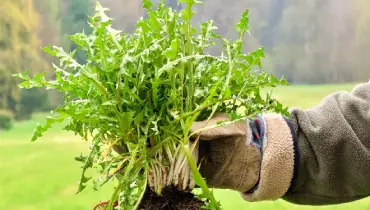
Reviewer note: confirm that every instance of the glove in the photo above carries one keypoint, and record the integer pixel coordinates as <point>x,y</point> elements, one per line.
<point>254,157</point>
<point>227,157</point>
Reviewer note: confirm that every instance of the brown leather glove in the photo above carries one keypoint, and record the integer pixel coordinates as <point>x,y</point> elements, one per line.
<point>228,159</point>
<point>253,157</point>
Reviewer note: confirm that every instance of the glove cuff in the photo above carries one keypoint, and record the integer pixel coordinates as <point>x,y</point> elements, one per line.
<point>275,138</point>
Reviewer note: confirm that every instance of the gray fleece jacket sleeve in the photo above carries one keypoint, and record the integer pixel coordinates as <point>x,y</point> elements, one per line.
<point>332,149</point>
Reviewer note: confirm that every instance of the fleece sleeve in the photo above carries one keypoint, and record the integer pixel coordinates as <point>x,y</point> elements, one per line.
<point>317,156</point>
<point>332,155</point>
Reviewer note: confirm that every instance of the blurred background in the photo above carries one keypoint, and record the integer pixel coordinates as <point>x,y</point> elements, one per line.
<point>319,46</point>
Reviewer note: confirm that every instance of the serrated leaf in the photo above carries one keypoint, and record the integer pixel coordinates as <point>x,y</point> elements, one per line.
<point>207,30</point>
<point>80,39</point>
<point>50,120</point>
<point>100,11</point>
<point>49,50</point>
<point>243,25</point>
<point>40,77</point>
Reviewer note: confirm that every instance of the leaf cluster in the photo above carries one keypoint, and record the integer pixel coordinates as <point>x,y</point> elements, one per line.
<point>141,92</point>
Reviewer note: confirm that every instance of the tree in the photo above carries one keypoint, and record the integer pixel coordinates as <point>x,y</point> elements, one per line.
<point>75,20</point>
<point>50,33</point>
<point>360,42</point>
<point>19,48</point>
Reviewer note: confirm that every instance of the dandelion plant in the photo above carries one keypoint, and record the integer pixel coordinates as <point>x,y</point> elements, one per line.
<point>137,95</point>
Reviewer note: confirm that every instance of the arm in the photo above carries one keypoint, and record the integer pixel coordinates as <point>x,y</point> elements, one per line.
<point>332,149</point>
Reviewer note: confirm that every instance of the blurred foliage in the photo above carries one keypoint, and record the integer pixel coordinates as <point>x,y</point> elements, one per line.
<point>33,100</point>
<point>19,47</point>
<point>307,41</point>
<point>5,120</point>
<point>75,20</point>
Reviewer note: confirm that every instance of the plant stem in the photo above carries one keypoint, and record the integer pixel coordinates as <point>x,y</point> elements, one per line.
<point>201,108</point>
<point>198,177</point>
<point>144,189</point>
<point>189,50</point>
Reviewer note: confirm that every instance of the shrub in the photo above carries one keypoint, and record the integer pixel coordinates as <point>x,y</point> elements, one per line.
<point>5,120</point>
<point>31,101</point>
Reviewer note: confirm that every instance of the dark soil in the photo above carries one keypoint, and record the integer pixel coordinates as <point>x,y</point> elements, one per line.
<point>171,199</point>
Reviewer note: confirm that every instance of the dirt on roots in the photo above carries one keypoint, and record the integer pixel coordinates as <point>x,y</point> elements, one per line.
<point>171,199</point>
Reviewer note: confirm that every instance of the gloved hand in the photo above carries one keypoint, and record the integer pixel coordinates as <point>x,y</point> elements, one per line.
<point>254,157</point>
<point>228,158</point>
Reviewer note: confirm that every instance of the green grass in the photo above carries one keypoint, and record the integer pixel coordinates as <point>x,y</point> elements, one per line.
<point>43,175</point>
<point>306,96</point>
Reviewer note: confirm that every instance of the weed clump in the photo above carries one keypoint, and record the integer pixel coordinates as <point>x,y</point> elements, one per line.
<point>137,95</point>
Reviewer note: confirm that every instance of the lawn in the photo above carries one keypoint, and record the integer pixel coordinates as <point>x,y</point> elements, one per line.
<point>43,175</point>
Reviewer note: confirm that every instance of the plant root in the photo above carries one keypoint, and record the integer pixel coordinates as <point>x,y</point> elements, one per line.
<point>171,199</point>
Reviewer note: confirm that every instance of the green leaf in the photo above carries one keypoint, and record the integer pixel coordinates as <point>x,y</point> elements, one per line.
<point>186,15</point>
<point>260,52</point>
<point>172,51</point>
<point>49,50</point>
<point>199,180</point>
<point>88,164</point>
<point>109,103</point>
<point>79,39</point>
<point>50,120</point>
<point>153,21</point>
<point>243,25</point>
<point>207,29</point>
<point>81,158</point>
<point>100,12</point>
<point>147,4</point>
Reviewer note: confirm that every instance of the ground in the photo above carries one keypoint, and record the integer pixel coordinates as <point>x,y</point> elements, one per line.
<point>43,175</point>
